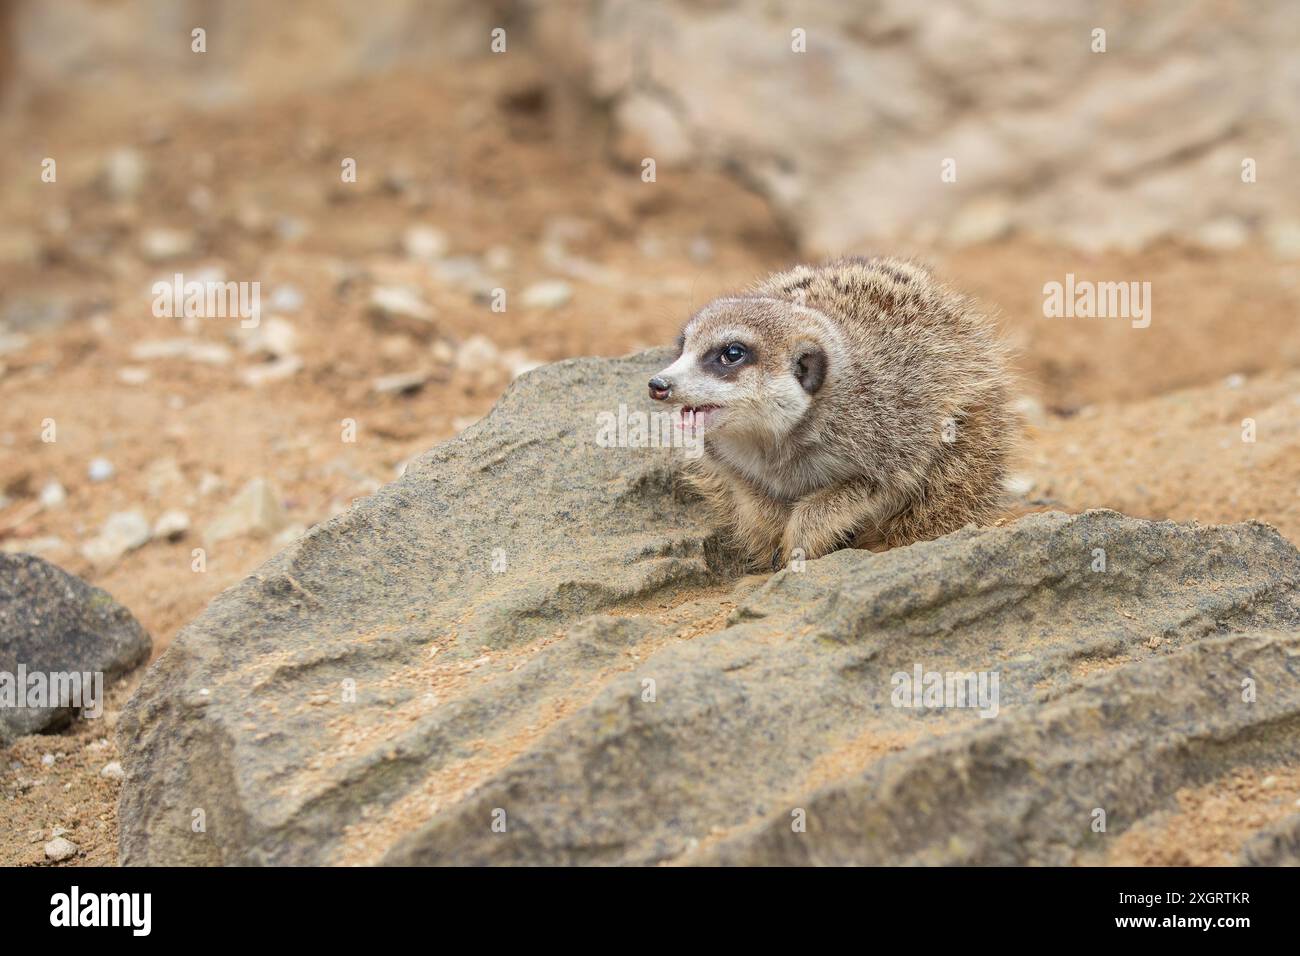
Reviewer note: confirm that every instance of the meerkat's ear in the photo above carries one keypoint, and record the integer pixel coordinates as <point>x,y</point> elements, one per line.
<point>810,367</point>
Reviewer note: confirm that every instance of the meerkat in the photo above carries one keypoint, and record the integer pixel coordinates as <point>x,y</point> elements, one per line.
<point>855,404</point>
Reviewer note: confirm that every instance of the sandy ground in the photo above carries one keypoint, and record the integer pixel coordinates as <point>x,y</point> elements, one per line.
<point>1145,420</point>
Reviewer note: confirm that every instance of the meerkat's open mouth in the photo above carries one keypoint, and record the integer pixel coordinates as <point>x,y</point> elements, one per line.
<point>697,416</point>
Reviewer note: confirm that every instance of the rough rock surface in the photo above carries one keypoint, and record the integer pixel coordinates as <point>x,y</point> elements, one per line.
<point>53,622</point>
<point>528,651</point>
<point>1028,789</point>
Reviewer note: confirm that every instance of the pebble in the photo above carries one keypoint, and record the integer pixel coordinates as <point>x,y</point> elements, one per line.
<point>274,371</point>
<point>1222,235</point>
<point>162,475</point>
<point>101,469</point>
<point>160,244</point>
<point>286,298</point>
<point>194,350</point>
<point>133,375</point>
<point>60,849</point>
<point>124,174</point>
<point>395,347</point>
<point>548,294</point>
<point>476,353</point>
<point>462,272</point>
<point>255,511</point>
<point>399,302</point>
<point>113,771</point>
<point>274,336</point>
<point>400,382</point>
<point>171,525</point>
<point>291,228</point>
<point>123,531</point>
<point>53,495</point>
<point>499,258</point>
<point>398,180</point>
<point>38,546</point>
<point>47,760</point>
<point>425,243</point>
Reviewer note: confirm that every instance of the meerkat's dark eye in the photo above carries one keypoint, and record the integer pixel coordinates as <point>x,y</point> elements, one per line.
<point>733,354</point>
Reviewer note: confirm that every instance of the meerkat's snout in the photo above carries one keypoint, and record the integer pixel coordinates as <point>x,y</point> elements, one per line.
<point>695,386</point>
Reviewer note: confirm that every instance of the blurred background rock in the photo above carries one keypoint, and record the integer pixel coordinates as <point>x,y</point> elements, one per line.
<point>1096,149</point>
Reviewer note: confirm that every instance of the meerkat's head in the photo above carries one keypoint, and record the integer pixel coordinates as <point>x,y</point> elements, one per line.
<point>748,367</point>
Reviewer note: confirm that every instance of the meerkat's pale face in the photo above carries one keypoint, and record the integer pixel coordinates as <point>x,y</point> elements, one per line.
<point>746,368</point>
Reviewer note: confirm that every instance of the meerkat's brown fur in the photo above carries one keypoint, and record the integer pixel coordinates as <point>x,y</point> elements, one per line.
<point>905,436</point>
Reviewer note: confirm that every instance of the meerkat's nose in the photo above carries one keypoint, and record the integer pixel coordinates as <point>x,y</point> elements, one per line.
<point>659,389</point>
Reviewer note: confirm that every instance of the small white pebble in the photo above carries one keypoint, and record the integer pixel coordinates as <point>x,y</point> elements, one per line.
<point>101,469</point>
<point>547,294</point>
<point>286,298</point>
<point>60,849</point>
<point>425,243</point>
<point>53,495</point>
<point>113,771</point>
<point>171,525</point>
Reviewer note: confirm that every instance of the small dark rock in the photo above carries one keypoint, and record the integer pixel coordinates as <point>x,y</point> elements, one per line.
<point>53,622</point>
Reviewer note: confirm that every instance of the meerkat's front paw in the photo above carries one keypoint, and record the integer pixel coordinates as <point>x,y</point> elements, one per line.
<point>812,533</point>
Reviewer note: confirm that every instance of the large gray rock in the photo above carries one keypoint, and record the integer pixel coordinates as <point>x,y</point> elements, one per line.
<point>1052,783</point>
<point>528,650</point>
<point>54,623</point>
